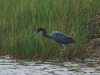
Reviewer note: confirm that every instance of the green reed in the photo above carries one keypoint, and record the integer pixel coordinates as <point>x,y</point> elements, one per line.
<point>19,20</point>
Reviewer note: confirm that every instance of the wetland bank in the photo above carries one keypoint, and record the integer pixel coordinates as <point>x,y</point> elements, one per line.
<point>19,20</point>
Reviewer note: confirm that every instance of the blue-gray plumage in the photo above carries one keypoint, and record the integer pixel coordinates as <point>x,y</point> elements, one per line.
<point>58,36</point>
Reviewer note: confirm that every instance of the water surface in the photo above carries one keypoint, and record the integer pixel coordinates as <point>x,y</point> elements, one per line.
<point>9,66</point>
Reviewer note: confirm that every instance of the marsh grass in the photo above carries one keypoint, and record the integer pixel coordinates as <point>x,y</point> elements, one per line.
<point>19,20</point>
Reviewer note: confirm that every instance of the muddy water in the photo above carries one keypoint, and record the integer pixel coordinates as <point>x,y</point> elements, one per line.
<point>9,66</point>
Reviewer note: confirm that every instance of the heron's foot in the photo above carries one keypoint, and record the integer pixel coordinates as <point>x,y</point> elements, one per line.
<point>59,50</point>
<point>60,47</point>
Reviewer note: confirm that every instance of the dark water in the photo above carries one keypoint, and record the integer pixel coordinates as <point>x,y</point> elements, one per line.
<point>9,66</point>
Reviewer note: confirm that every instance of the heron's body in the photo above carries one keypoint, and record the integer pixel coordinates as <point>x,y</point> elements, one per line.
<point>61,37</point>
<point>58,36</point>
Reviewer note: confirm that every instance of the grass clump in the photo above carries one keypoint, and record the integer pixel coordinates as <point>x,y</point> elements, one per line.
<point>19,20</point>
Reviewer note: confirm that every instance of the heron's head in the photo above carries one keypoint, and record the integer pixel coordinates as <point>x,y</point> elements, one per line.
<point>38,30</point>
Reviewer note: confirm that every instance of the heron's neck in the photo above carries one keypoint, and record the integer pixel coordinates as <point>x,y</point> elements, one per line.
<point>47,35</point>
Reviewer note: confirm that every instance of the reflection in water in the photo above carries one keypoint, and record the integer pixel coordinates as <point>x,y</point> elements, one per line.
<point>10,66</point>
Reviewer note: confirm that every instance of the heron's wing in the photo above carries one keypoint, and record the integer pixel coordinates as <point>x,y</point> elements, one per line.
<point>61,37</point>
<point>58,33</point>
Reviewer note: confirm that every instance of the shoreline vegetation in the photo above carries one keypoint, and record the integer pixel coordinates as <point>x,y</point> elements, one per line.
<point>20,18</point>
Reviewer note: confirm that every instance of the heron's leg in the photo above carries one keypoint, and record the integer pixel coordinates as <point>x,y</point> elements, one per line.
<point>60,53</point>
<point>64,47</point>
<point>60,47</point>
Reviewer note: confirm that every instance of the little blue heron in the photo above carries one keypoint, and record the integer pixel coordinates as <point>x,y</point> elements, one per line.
<point>58,36</point>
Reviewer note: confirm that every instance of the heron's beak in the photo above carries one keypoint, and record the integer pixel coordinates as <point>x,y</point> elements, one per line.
<point>33,35</point>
